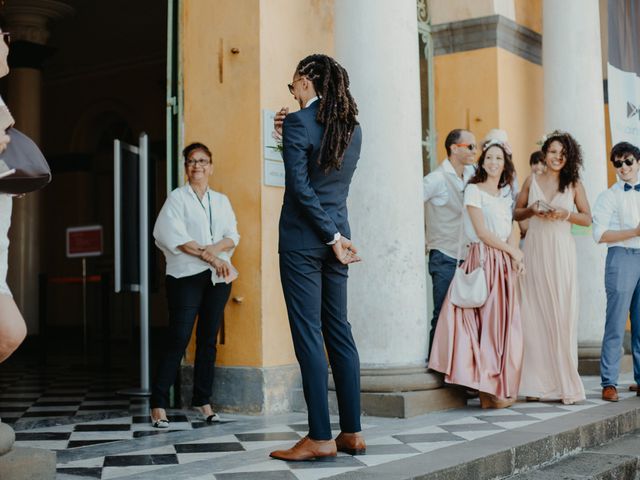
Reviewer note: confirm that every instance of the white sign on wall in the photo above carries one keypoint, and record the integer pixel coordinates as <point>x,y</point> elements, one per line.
<point>272,158</point>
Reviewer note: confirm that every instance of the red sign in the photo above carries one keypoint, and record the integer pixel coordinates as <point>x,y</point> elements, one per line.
<point>84,241</point>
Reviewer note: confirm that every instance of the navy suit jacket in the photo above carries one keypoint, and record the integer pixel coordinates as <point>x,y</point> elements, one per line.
<point>315,202</point>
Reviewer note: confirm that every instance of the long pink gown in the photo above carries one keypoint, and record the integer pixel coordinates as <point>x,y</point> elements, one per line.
<point>549,305</point>
<point>481,348</point>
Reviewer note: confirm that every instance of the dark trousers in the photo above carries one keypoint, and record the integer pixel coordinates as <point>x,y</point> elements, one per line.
<point>315,290</point>
<point>188,297</point>
<point>441,268</point>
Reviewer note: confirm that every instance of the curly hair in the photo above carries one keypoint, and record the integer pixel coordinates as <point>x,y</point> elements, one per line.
<point>508,174</point>
<point>572,152</point>
<point>337,109</point>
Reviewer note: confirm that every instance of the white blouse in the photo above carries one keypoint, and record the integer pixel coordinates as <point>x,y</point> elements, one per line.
<point>497,211</point>
<point>183,218</point>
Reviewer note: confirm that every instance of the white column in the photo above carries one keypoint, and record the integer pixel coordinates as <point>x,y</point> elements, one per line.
<point>28,21</point>
<point>377,42</point>
<point>574,102</point>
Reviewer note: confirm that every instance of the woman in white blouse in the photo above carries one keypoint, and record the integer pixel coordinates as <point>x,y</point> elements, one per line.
<point>481,348</point>
<point>196,231</point>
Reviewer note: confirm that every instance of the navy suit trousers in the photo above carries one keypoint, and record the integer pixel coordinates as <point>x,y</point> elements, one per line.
<point>315,290</point>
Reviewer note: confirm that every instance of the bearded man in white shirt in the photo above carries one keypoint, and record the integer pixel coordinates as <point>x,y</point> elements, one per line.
<point>443,197</point>
<point>616,222</point>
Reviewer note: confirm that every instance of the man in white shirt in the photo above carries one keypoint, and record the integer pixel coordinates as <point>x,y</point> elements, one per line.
<point>616,222</point>
<point>443,208</point>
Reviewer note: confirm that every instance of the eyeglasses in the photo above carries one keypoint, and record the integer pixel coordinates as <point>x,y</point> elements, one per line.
<point>201,162</point>
<point>290,85</point>
<point>627,161</point>
<point>6,36</point>
<point>471,146</point>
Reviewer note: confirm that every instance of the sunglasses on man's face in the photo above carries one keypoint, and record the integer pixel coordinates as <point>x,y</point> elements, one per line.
<point>290,85</point>
<point>6,36</point>
<point>627,161</point>
<point>471,146</point>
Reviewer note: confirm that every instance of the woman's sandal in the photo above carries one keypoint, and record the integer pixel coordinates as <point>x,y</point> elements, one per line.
<point>207,418</point>
<point>491,401</point>
<point>159,423</point>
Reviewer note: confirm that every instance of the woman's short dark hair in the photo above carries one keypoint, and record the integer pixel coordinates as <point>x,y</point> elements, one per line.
<point>506,178</point>
<point>624,148</point>
<point>192,147</point>
<point>536,158</point>
<point>570,173</point>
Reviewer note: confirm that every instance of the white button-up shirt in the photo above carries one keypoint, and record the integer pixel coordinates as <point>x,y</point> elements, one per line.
<point>616,209</point>
<point>185,218</point>
<point>435,186</point>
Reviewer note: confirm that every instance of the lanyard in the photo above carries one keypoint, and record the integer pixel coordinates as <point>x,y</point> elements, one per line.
<point>205,210</point>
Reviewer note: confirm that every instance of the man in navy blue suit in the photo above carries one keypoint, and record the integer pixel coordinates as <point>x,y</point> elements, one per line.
<point>321,149</point>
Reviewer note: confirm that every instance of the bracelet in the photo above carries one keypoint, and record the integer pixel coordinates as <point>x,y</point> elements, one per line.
<point>567,217</point>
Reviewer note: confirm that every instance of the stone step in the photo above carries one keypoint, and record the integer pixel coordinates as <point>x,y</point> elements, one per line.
<point>515,451</point>
<point>28,464</point>
<point>619,460</point>
<point>394,404</point>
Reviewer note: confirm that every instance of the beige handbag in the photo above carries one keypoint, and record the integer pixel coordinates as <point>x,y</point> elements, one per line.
<point>469,290</point>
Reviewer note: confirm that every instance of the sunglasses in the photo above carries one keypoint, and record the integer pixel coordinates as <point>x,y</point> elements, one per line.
<point>290,85</point>
<point>6,36</point>
<point>627,161</point>
<point>471,146</point>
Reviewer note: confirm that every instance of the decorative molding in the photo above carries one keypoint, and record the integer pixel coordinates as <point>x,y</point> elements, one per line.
<point>28,20</point>
<point>107,68</point>
<point>487,32</point>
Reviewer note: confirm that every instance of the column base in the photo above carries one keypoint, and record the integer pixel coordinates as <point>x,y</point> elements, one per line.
<point>17,463</point>
<point>247,390</point>
<point>402,392</point>
<point>589,361</point>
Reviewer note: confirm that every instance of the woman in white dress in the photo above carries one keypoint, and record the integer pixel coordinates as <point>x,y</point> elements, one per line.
<point>12,326</point>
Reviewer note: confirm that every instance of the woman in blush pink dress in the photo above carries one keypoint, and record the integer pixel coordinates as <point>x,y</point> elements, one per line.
<point>549,291</point>
<point>481,348</point>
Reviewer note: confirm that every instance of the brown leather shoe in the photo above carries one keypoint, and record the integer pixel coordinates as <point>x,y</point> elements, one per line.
<point>307,449</point>
<point>351,443</point>
<point>610,393</point>
<point>634,387</point>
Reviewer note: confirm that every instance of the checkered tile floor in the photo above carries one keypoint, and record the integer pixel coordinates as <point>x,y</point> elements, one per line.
<point>126,446</point>
<point>32,394</point>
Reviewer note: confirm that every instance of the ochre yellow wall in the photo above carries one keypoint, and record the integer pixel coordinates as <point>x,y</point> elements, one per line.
<point>520,106</point>
<point>289,31</point>
<point>272,36</point>
<point>466,93</point>
<point>226,117</point>
<point>529,14</point>
<point>490,88</point>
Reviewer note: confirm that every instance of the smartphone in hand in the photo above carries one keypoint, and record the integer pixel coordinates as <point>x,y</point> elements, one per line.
<point>544,207</point>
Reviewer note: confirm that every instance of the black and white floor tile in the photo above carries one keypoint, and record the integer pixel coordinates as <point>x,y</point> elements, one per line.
<point>99,435</point>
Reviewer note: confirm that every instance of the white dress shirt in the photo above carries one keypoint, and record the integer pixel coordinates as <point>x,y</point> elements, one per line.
<point>185,218</point>
<point>616,209</point>
<point>434,184</point>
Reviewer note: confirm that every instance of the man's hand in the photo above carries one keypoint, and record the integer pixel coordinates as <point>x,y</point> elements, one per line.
<point>345,251</point>
<point>278,120</point>
<point>4,141</point>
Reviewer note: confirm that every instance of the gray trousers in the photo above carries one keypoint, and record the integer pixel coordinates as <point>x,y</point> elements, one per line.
<point>622,284</point>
